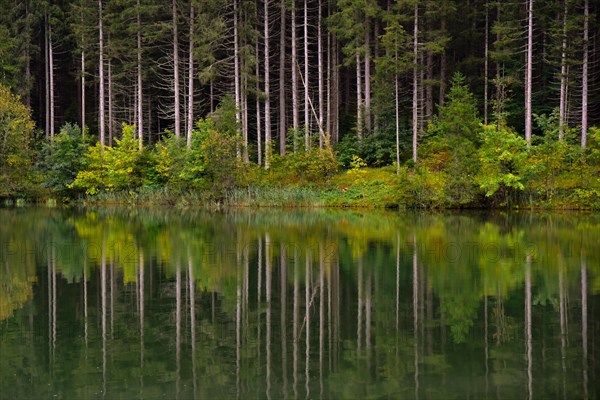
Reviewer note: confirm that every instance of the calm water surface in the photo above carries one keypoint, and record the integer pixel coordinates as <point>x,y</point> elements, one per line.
<point>128,303</point>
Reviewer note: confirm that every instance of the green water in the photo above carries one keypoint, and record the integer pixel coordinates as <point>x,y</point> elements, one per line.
<point>129,303</point>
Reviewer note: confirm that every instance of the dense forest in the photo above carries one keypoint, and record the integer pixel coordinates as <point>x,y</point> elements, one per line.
<point>343,102</point>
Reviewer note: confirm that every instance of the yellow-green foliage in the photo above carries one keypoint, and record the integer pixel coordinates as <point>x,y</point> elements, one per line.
<point>16,133</point>
<point>302,167</point>
<point>110,168</point>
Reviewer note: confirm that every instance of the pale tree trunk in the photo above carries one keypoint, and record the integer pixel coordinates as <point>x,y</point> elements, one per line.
<point>562,113</point>
<point>415,100</point>
<point>335,107</point>
<point>258,109</point>
<point>295,66</point>
<point>282,124</point>
<point>82,85</point>
<point>101,73</point>
<point>528,68</point>
<point>236,67</point>
<point>368,77</point>
<point>397,109</point>
<point>584,75</point>
<point>320,73</point>
<point>110,104</point>
<point>176,71</point>
<point>486,57</point>
<point>244,104</point>
<point>359,102</point>
<point>140,101</point>
<point>51,72</point>
<point>190,114</point>
<point>47,77</point>
<point>267,88</point>
<point>306,81</point>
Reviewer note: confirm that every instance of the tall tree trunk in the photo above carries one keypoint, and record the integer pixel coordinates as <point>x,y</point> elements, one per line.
<point>562,113</point>
<point>320,73</point>
<point>176,71</point>
<point>295,68</point>
<point>584,75</point>
<point>140,99</point>
<point>397,109</point>
<point>306,81</point>
<point>101,73</point>
<point>258,107</point>
<point>51,72</point>
<point>282,85</point>
<point>415,99</point>
<point>359,101</point>
<point>111,124</point>
<point>236,67</point>
<point>486,56</point>
<point>267,87</point>
<point>47,76</point>
<point>335,91</point>
<point>82,83</point>
<point>528,68</point>
<point>190,114</point>
<point>442,93</point>
<point>367,77</point>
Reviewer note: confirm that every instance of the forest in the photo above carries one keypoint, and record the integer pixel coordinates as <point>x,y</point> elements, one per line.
<point>361,103</point>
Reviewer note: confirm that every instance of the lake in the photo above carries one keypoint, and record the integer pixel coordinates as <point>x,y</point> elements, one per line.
<point>124,303</point>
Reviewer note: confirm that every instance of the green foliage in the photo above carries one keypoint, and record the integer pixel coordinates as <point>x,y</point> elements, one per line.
<point>16,134</point>
<point>303,167</point>
<point>502,159</point>
<point>110,168</point>
<point>459,115</point>
<point>63,158</point>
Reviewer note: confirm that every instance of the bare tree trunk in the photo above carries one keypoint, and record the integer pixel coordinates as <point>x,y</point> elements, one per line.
<point>82,89</point>
<point>176,71</point>
<point>442,94</point>
<point>320,73</point>
<point>563,78</point>
<point>282,85</point>
<point>51,72</point>
<point>528,76</point>
<point>244,100</point>
<point>47,75</point>
<point>584,75</point>
<point>397,109</point>
<point>267,88</point>
<point>140,100</point>
<point>367,77</point>
<point>101,73</point>
<point>258,108</point>
<point>110,104</point>
<point>335,107</point>
<point>236,68</point>
<point>486,57</point>
<point>190,114</point>
<point>359,102</point>
<point>295,66</point>
<point>306,81</point>
<point>415,100</point>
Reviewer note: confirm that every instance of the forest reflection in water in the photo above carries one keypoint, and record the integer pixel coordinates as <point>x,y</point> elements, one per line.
<point>123,303</point>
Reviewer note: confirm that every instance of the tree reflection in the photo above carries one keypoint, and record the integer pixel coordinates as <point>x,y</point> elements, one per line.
<point>291,305</point>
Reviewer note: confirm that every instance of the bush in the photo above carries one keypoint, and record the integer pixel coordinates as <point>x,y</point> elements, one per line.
<point>62,159</point>
<point>110,168</point>
<point>16,135</point>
